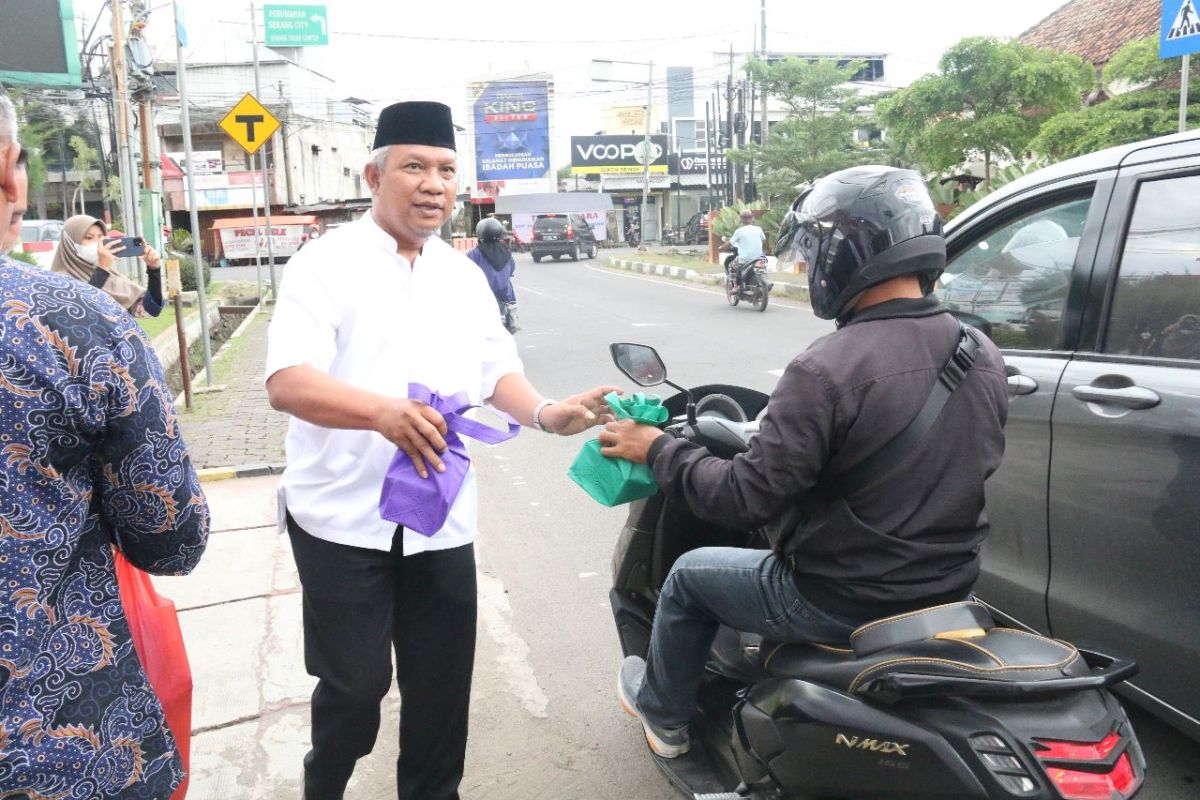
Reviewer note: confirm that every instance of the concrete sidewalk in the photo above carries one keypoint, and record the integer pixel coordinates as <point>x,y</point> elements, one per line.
<point>236,426</point>
<point>240,612</point>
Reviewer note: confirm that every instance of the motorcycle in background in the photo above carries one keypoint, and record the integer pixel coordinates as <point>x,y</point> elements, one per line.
<point>508,315</point>
<point>747,281</point>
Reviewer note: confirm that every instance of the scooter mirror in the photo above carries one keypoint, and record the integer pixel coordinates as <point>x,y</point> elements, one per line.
<point>640,363</point>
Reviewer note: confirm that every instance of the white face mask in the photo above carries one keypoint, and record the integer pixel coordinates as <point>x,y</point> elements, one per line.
<point>89,252</point>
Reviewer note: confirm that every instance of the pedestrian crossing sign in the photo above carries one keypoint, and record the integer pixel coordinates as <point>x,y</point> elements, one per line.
<point>250,124</point>
<point>1180,28</point>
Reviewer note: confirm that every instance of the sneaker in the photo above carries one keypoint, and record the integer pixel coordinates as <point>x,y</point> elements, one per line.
<point>665,742</point>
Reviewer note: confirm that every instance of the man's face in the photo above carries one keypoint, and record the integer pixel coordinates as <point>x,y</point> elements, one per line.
<point>12,234</point>
<point>414,193</point>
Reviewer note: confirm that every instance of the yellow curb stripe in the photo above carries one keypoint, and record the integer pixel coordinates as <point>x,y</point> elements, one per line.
<point>217,473</point>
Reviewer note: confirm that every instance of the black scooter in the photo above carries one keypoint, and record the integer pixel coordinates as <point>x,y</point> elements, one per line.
<point>747,282</point>
<point>941,703</point>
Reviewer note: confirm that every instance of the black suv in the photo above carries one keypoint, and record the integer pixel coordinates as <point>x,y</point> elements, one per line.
<point>561,235</point>
<point>1086,274</point>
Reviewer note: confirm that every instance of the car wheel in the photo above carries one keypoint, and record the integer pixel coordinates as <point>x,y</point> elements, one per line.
<point>592,251</point>
<point>575,253</point>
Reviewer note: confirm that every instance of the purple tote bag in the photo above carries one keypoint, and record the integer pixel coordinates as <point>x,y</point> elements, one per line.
<point>423,504</point>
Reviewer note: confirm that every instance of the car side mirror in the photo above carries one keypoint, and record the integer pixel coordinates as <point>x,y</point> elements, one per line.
<point>639,362</point>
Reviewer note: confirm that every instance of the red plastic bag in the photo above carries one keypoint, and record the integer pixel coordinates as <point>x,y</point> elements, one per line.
<point>159,645</point>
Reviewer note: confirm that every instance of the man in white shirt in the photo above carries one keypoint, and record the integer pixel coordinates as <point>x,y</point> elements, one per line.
<point>366,310</point>
<point>748,239</point>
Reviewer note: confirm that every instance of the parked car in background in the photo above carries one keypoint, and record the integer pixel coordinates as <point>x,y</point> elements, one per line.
<point>696,231</point>
<point>1087,275</point>
<point>558,235</point>
<point>40,238</point>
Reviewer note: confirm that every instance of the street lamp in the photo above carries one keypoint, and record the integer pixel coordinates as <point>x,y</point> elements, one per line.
<point>601,71</point>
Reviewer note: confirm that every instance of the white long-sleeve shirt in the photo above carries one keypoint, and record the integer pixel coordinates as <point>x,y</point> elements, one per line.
<point>355,309</point>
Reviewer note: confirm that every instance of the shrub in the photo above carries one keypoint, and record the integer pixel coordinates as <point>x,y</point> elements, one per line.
<point>22,256</point>
<point>187,271</point>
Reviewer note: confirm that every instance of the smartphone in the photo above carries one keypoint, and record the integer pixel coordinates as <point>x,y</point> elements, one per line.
<point>134,245</point>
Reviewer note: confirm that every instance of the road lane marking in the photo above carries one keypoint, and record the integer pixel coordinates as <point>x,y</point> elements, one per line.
<point>512,657</point>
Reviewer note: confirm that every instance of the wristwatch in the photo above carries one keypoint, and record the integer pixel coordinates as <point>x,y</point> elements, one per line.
<point>537,414</point>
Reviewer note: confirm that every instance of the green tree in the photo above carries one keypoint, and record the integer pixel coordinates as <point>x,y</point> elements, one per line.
<point>1142,113</point>
<point>85,160</point>
<point>817,137</point>
<point>988,98</point>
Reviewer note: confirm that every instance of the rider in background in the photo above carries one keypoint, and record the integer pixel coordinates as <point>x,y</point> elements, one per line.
<point>494,257</point>
<point>748,242</point>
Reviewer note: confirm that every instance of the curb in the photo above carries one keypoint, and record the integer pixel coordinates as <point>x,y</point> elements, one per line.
<point>241,328</point>
<point>784,288</point>
<point>243,471</point>
<point>680,273</point>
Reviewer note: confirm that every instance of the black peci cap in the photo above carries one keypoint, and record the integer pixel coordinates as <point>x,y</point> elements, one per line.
<point>416,122</point>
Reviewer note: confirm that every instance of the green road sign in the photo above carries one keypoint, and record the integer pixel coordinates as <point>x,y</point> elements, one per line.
<point>295,26</point>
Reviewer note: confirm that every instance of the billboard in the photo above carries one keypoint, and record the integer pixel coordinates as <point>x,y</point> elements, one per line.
<point>618,155</point>
<point>512,131</point>
<point>37,40</point>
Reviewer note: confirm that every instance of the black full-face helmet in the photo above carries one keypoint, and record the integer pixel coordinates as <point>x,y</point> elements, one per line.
<point>858,228</point>
<point>489,229</point>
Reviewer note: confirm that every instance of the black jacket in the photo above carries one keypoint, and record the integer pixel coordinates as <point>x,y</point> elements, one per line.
<point>908,541</point>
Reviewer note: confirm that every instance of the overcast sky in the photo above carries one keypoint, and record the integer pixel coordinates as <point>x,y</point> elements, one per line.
<point>387,50</point>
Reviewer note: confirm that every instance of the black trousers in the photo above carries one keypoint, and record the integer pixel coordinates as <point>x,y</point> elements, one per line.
<point>360,605</point>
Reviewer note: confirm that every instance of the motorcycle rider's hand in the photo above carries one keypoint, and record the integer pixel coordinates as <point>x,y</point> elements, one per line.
<point>578,412</point>
<point>417,429</point>
<point>628,440</point>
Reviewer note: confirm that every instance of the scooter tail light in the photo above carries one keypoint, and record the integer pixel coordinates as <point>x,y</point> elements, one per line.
<point>1093,779</point>
<point>1078,785</point>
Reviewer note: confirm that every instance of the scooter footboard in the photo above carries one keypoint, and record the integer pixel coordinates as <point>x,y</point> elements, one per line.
<point>808,739</point>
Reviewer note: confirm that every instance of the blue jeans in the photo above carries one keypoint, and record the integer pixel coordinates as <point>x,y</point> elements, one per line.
<point>748,590</point>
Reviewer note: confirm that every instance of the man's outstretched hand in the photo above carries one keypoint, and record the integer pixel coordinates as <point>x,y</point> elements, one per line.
<point>579,412</point>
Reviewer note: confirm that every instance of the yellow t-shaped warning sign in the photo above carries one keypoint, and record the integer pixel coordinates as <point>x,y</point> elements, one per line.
<point>250,124</point>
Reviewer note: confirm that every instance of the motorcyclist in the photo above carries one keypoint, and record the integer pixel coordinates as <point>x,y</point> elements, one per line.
<point>896,543</point>
<point>493,255</point>
<point>747,242</point>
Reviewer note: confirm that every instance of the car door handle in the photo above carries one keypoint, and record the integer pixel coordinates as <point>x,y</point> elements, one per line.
<point>1021,384</point>
<point>1135,397</point>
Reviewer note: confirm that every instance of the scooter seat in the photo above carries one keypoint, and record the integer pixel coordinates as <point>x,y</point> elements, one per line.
<point>959,640</point>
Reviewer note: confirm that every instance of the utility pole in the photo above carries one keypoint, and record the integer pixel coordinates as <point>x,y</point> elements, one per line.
<point>729,134</point>
<point>121,96</point>
<point>647,157</point>
<point>708,151</point>
<point>262,162</point>
<point>751,187</point>
<point>185,121</point>
<point>765,126</point>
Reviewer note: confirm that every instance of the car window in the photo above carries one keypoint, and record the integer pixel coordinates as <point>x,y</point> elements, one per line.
<point>1156,303</point>
<point>1012,284</point>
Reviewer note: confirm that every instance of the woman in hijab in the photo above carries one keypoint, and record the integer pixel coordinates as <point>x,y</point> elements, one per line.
<point>87,255</point>
<point>493,256</point>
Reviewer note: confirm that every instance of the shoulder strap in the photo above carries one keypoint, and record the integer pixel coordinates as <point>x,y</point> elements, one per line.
<point>892,454</point>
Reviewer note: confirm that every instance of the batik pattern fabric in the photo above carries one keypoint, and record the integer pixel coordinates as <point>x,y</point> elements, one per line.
<point>90,458</point>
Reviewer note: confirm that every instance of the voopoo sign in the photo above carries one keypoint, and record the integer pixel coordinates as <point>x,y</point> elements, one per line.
<point>618,155</point>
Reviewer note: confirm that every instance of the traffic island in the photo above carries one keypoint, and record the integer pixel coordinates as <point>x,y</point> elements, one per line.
<point>789,287</point>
